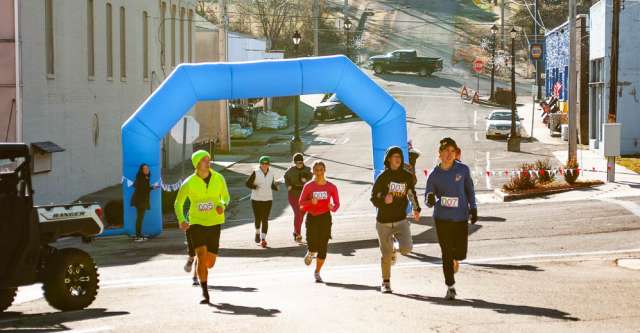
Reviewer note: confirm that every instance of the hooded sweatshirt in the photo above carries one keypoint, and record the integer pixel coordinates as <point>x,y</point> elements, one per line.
<point>203,197</point>
<point>401,184</point>
<point>454,191</point>
<point>296,178</point>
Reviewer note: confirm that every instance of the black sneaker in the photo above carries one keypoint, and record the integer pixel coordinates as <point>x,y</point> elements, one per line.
<point>195,283</point>
<point>257,239</point>
<point>451,294</point>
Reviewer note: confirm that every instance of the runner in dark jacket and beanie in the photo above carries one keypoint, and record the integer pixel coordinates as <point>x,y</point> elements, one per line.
<point>140,198</point>
<point>391,193</point>
<point>295,177</point>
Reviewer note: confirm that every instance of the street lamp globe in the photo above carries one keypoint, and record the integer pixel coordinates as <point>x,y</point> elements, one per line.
<point>347,24</point>
<point>494,30</point>
<point>296,38</point>
<point>514,33</point>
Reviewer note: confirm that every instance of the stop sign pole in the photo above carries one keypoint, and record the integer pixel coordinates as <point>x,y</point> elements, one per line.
<point>477,67</point>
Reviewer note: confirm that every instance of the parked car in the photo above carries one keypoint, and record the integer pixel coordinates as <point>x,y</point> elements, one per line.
<point>28,233</point>
<point>331,108</point>
<point>499,124</point>
<point>405,61</point>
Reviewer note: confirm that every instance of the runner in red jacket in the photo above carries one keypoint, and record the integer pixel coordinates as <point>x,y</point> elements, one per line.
<point>319,199</point>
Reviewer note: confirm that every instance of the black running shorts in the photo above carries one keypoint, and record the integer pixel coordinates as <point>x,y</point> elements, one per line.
<point>208,236</point>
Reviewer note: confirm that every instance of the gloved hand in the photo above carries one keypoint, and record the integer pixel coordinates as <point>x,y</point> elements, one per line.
<point>431,199</point>
<point>473,212</point>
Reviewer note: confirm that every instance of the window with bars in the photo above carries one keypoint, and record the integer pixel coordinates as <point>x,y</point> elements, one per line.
<point>145,45</point>
<point>49,43</point>
<point>123,44</point>
<point>109,31</point>
<point>91,60</point>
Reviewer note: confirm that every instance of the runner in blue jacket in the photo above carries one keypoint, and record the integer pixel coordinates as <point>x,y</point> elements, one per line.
<point>450,190</point>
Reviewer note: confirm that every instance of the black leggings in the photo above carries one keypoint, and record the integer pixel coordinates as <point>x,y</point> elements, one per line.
<point>318,233</point>
<point>139,219</point>
<point>453,239</point>
<point>261,211</point>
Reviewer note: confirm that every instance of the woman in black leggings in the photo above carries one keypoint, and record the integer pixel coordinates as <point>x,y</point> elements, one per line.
<point>262,184</point>
<point>140,198</point>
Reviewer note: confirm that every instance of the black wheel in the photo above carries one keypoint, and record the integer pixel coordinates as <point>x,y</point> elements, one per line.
<point>6,298</point>
<point>378,69</point>
<point>71,280</point>
<point>424,71</point>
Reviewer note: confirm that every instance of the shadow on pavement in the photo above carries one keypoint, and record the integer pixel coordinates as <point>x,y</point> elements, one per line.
<point>51,321</point>
<point>419,81</point>
<point>230,309</point>
<point>491,219</point>
<point>497,307</point>
<point>351,286</point>
<point>508,267</point>
<point>234,288</point>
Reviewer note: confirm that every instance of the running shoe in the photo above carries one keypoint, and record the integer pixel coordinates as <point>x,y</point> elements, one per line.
<point>263,243</point>
<point>257,238</point>
<point>318,277</point>
<point>308,258</point>
<point>451,294</point>
<point>195,282</point>
<point>385,288</point>
<point>188,265</point>
<point>299,239</point>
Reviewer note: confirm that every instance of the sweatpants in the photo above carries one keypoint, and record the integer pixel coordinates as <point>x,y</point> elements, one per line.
<point>386,233</point>
<point>139,219</point>
<point>298,215</point>
<point>261,210</point>
<point>319,233</point>
<point>453,239</point>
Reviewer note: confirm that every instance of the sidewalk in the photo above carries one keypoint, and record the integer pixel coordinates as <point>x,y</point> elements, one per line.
<point>537,127</point>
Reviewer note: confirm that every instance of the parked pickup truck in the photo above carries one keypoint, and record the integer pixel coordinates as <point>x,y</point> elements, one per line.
<point>28,235</point>
<point>405,61</point>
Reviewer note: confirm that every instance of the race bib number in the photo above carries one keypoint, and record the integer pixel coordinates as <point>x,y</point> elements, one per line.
<point>322,195</point>
<point>397,189</point>
<point>205,206</point>
<point>451,202</point>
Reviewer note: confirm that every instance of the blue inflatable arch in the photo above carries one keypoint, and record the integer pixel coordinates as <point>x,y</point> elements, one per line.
<point>190,83</point>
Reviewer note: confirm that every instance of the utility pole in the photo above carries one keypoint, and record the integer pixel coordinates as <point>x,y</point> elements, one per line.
<point>223,43</point>
<point>316,14</point>
<point>535,32</point>
<point>502,23</point>
<point>573,83</point>
<point>615,46</point>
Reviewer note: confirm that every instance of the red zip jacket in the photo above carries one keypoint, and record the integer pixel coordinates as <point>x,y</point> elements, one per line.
<point>324,193</point>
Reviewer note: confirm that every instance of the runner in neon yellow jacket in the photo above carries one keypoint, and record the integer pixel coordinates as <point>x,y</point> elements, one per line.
<point>208,195</point>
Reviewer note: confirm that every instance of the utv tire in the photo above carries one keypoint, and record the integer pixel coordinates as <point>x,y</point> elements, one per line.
<point>71,281</point>
<point>6,298</point>
<point>378,69</point>
<point>424,72</point>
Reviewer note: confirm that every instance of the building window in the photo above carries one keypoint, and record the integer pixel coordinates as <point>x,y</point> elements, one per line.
<point>123,45</point>
<point>163,39</point>
<point>190,36</point>
<point>173,35</point>
<point>48,26</point>
<point>109,16</point>
<point>596,91</point>
<point>182,35</point>
<point>91,64</point>
<point>145,45</point>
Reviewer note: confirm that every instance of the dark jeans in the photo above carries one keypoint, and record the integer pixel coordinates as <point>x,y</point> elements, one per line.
<point>453,239</point>
<point>318,233</point>
<point>139,219</point>
<point>261,211</point>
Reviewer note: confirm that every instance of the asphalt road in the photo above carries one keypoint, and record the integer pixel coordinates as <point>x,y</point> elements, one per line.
<point>539,265</point>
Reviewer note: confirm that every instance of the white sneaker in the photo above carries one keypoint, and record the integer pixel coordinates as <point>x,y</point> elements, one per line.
<point>385,288</point>
<point>309,258</point>
<point>188,265</point>
<point>451,294</point>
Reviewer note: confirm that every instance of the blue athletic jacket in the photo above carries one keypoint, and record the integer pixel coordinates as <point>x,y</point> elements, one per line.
<point>454,192</point>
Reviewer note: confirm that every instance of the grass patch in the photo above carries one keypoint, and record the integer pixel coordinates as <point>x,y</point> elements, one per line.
<point>631,162</point>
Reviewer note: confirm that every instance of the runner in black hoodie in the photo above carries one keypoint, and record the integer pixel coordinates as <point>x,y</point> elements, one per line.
<point>391,193</point>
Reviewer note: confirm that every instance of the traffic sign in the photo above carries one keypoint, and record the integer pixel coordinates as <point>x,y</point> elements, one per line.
<point>193,130</point>
<point>536,51</point>
<point>478,65</point>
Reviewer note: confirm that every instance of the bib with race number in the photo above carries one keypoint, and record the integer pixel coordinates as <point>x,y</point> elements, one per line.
<point>451,202</point>
<point>320,195</point>
<point>397,189</point>
<point>205,206</point>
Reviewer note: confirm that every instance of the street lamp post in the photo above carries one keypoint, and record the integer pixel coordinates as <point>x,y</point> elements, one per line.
<point>494,31</point>
<point>296,142</point>
<point>347,28</point>
<point>513,143</point>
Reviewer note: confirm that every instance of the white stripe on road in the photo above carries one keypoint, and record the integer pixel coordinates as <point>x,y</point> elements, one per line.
<point>475,118</point>
<point>475,137</point>
<point>488,178</point>
<point>628,205</point>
